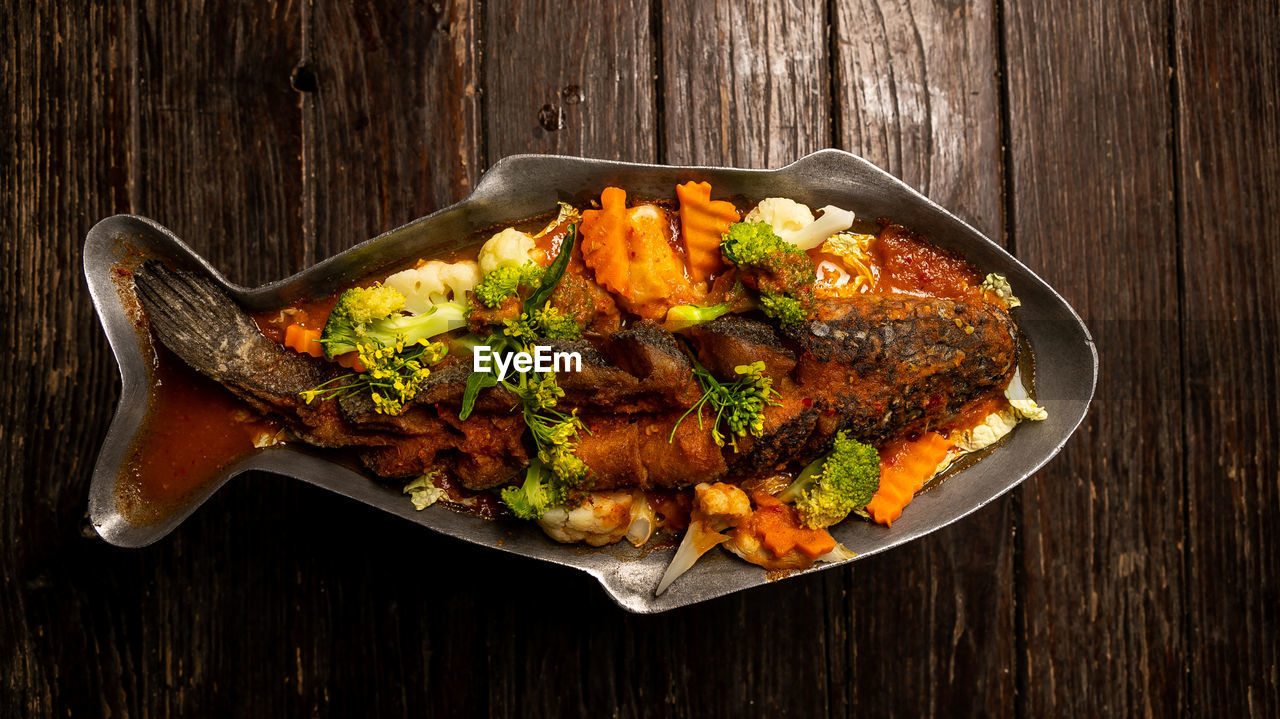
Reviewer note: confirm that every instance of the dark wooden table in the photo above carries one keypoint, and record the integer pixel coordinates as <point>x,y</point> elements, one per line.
<point>1129,152</point>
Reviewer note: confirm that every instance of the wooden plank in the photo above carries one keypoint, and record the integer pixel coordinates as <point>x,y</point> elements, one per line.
<point>916,93</point>
<point>385,618</point>
<point>1092,210</point>
<point>219,161</point>
<point>390,115</point>
<point>1228,131</point>
<point>569,80</point>
<point>218,126</point>
<point>63,154</point>
<point>745,83</point>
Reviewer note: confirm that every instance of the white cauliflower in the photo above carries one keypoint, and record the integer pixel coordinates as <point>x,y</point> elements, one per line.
<point>1022,402</point>
<point>602,518</point>
<point>435,283</point>
<point>795,223</point>
<point>509,247</point>
<point>716,507</point>
<point>993,428</point>
<point>784,215</point>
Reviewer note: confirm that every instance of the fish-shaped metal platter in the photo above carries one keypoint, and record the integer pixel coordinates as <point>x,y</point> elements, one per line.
<point>522,186</point>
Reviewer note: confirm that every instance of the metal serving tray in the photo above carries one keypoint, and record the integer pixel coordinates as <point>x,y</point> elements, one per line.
<point>527,185</point>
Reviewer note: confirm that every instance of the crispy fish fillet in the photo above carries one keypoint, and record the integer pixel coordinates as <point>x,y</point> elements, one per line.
<point>876,365</point>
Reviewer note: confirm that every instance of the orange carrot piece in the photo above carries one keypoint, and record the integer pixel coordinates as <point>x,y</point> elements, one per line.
<point>350,360</point>
<point>630,251</point>
<point>604,241</point>
<point>904,468</point>
<point>778,527</point>
<point>301,339</point>
<point>702,223</point>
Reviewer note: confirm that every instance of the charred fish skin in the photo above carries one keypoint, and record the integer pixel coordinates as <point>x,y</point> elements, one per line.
<point>883,364</point>
<point>729,341</point>
<point>875,365</point>
<point>195,319</point>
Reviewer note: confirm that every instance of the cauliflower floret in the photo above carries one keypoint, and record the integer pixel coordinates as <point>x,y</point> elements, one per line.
<point>602,518</point>
<point>722,505</point>
<point>435,283</point>
<point>509,247</point>
<point>993,428</point>
<point>784,215</point>
<point>833,220</point>
<point>1022,402</point>
<point>795,223</point>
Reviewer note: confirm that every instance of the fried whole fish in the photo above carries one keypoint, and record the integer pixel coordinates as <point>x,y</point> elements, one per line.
<point>877,366</point>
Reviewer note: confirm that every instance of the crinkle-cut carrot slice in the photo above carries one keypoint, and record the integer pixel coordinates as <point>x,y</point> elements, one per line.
<point>904,468</point>
<point>703,222</point>
<point>630,251</point>
<point>604,241</point>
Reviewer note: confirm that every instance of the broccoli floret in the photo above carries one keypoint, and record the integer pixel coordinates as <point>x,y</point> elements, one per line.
<point>365,314</point>
<point>753,243</point>
<point>359,306</point>
<point>831,487</point>
<point>539,492</point>
<point>782,273</point>
<point>547,322</point>
<point>505,281</point>
<point>739,404</point>
<point>553,324</point>
<point>783,308</point>
<point>684,316</point>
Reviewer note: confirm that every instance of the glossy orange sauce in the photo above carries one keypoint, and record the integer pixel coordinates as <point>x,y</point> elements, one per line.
<point>193,430</point>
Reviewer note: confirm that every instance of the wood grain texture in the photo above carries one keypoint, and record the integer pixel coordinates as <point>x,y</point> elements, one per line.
<point>1092,211</point>
<point>390,115</point>
<point>745,83</point>
<point>916,93</point>
<point>1135,575</point>
<point>1228,123</point>
<point>569,79</point>
<point>218,143</point>
<point>65,144</point>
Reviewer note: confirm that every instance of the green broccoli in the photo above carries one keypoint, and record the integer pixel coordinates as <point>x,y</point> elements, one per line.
<point>782,273</point>
<point>753,243</point>
<point>547,322</point>
<point>538,493</point>
<point>783,308</point>
<point>831,487</point>
<point>365,314</point>
<point>685,316</point>
<point>505,281</point>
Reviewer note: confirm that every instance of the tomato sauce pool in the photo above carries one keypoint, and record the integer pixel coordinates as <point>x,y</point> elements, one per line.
<point>192,431</point>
